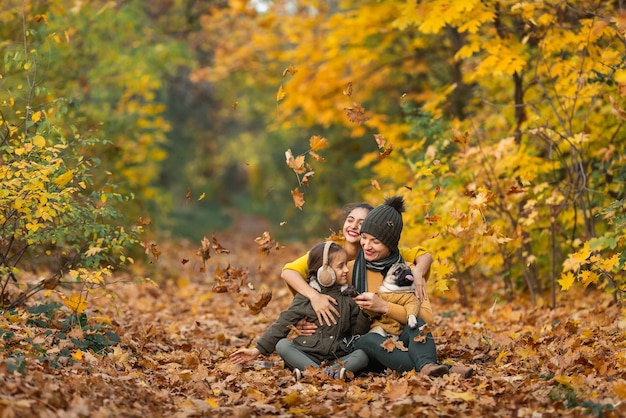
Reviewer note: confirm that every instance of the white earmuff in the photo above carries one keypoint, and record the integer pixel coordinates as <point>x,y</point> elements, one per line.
<point>326,275</point>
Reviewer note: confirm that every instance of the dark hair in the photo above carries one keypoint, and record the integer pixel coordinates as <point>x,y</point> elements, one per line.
<point>316,257</point>
<point>352,206</point>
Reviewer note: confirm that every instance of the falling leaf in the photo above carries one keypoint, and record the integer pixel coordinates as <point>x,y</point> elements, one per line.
<point>258,300</point>
<point>380,141</point>
<point>356,114</point>
<point>316,156</point>
<point>298,198</point>
<point>318,142</point>
<point>188,195</point>
<point>385,153</point>
<point>283,223</point>
<point>265,242</point>
<point>432,219</point>
<point>306,178</point>
<point>348,90</point>
<point>202,196</point>
<point>205,250</point>
<point>218,247</point>
<point>155,251</point>
<point>375,184</point>
<point>235,105</point>
<point>280,95</point>
<point>141,222</point>
<point>296,164</point>
<point>290,70</point>
<point>184,261</point>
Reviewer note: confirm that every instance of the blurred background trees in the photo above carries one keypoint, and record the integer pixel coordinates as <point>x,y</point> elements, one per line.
<point>500,122</point>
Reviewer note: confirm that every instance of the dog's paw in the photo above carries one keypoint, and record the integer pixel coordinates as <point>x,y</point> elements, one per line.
<point>412,321</point>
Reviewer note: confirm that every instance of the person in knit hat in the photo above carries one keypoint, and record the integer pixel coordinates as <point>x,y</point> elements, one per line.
<point>380,233</point>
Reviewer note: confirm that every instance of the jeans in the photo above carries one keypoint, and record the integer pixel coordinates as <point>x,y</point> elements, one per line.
<point>418,355</point>
<point>296,359</point>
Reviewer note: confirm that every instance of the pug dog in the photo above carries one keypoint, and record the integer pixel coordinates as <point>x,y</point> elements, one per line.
<point>398,287</point>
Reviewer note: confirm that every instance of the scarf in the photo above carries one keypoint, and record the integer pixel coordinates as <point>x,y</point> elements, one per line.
<point>359,279</point>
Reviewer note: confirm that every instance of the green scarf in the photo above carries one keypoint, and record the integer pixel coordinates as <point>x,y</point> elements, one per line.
<point>361,266</point>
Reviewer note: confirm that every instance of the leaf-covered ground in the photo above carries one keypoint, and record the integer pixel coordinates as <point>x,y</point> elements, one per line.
<point>175,339</point>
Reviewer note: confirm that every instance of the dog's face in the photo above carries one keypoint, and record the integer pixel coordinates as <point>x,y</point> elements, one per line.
<point>399,276</point>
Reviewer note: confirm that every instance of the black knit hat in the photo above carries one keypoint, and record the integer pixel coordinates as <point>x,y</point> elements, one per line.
<point>384,222</point>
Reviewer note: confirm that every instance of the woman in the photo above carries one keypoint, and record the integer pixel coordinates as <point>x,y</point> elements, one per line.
<point>380,233</point>
<point>328,272</point>
<point>294,273</point>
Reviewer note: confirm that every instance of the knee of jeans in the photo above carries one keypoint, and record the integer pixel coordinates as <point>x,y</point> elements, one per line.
<point>282,345</point>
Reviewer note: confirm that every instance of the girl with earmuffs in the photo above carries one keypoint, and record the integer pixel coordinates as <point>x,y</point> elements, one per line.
<point>327,270</point>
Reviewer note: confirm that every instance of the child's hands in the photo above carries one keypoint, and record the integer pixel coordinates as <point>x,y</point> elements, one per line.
<point>244,354</point>
<point>305,328</point>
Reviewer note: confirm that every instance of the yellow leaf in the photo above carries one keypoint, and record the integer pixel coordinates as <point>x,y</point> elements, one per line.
<point>77,355</point>
<point>609,264</point>
<point>103,198</point>
<point>588,277</point>
<point>76,302</point>
<point>281,94</point>
<point>64,178</point>
<point>39,141</point>
<point>318,142</point>
<point>212,402</point>
<point>202,196</point>
<point>566,281</point>
<point>36,116</point>
<point>465,396</point>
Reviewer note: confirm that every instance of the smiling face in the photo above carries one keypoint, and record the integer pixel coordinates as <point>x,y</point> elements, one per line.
<point>352,224</point>
<point>339,263</point>
<point>373,249</point>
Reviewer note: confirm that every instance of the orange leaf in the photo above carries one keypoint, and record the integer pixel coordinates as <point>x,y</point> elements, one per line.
<point>298,198</point>
<point>306,177</point>
<point>385,153</point>
<point>356,114</point>
<point>261,299</point>
<point>318,142</point>
<point>348,90</point>
<point>205,250</point>
<point>290,70</point>
<point>375,184</point>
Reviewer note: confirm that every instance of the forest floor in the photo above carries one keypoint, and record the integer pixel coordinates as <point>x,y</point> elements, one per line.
<point>175,338</point>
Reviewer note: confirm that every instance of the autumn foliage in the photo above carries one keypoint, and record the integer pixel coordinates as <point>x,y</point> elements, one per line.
<point>500,122</point>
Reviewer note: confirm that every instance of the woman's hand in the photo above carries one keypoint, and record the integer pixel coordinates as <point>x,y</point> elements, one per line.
<point>244,355</point>
<point>323,305</point>
<point>372,302</point>
<point>420,286</point>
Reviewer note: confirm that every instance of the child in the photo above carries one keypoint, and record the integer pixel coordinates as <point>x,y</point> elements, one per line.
<point>328,271</point>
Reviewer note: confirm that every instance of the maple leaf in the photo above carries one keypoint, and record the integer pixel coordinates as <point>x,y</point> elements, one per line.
<point>298,198</point>
<point>389,344</point>
<point>318,142</point>
<point>566,281</point>
<point>296,164</point>
<point>432,219</point>
<point>348,90</point>
<point>259,300</point>
<point>218,247</point>
<point>265,242</point>
<point>356,114</point>
<point>77,302</point>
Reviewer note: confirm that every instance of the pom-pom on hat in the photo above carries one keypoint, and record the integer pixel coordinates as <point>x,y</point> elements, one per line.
<point>384,222</point>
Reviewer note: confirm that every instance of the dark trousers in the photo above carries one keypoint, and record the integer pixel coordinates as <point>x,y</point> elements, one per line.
<point>418,355</point>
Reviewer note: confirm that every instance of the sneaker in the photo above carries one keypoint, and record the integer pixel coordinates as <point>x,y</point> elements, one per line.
<point>464,371</point>
<point>297,374</point>
<point>434,370</point>
<point>335,373</point>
